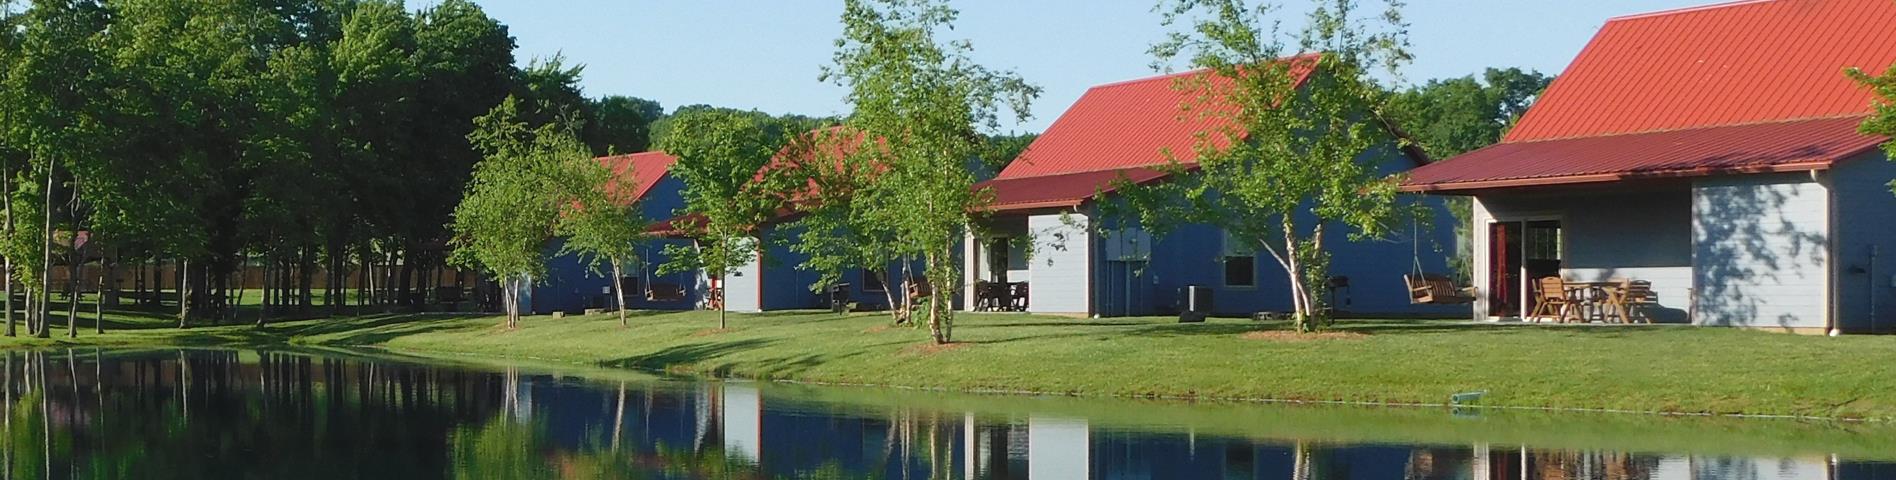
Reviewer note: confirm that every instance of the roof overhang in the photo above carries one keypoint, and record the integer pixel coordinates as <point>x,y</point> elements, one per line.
<point>1775,147</point>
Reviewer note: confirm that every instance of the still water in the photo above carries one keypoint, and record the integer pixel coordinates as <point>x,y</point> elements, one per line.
<point>213,414</point>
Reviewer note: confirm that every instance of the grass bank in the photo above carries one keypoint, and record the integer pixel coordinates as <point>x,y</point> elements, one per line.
<point>1643,369</point>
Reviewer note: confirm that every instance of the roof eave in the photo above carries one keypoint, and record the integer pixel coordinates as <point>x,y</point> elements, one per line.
<point>1468,188</point>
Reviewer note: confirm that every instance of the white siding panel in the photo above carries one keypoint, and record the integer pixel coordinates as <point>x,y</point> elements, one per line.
<point>744,288</point>
<point>1061,266</point>
<point>1760,244</point>
<point>1481,251</point>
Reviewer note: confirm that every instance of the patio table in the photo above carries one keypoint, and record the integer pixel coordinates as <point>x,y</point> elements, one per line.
<point>1590,298</point>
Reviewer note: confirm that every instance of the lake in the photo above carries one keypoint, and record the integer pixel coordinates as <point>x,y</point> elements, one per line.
<point>216,414</point>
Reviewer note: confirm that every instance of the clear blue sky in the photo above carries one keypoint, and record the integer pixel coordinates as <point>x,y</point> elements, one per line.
<point>765,54</point>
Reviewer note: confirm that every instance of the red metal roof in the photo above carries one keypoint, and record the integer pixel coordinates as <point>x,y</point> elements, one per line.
<point>1057,191</point>
<point>1132,123</point>
<point>1726,64</point>
<point>1739,87</point>
<point>1116,126</point>
<point>1126,127</point>
<point>646,169</point>
<point>1753,148</point>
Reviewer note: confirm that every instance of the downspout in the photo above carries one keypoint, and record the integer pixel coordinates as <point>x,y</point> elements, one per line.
<point>1832,295</point>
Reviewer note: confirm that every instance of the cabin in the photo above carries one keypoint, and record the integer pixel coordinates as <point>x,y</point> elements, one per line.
<point>1712,155</point>
<point>572,286</point>
<point>777,280</point>
<point>1045,247</point>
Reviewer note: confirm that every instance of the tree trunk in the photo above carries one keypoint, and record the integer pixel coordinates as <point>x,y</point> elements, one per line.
<point>724,304</point>
<point>6,191</point>
<point>98,310</point>
<point>74,264</point>
<point>263,309</point>
<point>938,320</point>
<point>184,292</point>
<point>46,260</point>
<point>9,293</point>
<point>306,274</point>
<point>618,290</point>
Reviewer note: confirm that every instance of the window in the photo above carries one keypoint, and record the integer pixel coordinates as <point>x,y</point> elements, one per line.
<point>1240,262</point>
<point>872,282</point>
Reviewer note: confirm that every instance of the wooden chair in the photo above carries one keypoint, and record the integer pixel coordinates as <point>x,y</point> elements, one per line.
<point>1615,304</point>
<point>1552,299</point>
<point>1639,297</point>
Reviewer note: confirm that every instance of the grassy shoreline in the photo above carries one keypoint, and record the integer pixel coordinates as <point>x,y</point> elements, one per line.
<point>1677,370</point>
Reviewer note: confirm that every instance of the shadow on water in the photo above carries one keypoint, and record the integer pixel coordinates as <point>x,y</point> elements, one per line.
<point>212,414</point>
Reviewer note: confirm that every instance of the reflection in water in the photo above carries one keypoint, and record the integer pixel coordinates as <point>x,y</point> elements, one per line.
<point>231,414</point>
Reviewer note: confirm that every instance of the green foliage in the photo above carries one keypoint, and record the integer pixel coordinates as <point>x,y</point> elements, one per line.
<point>602,225</point>
<point>920,106</point>
<point>1002,150</point>
<point>1457,115</point>
<point>1302,136</point>
<point>780,128</point>
<point>519,191</point>
<point>719,164</point>
<point>621,124</point>
<point>1884,121</point>
<point>1448,117</point>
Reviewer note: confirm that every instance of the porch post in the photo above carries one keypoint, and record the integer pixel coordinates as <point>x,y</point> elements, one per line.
<point>971,273</point>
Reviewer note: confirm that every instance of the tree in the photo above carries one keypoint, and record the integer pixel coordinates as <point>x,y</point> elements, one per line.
<point>1457,115</point>
<point>1883,122</point>
<point>466,67</point>
<point>1448,117</point>
<point>1295,152</point>
<point>621,124</point>
<point>920,106</point>
<point>53,119</point>
<point>1003,149</point>
<point>516,196</point>
<point>780,128</point>
<point>603,225</point>
<point>725,214</point>
<point>841,227</point>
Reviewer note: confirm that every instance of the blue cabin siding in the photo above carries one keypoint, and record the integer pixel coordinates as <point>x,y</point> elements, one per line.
<point>1193,255</point>
<point>571,285</point>
<point>1865,213</point>
<point>784,284</point>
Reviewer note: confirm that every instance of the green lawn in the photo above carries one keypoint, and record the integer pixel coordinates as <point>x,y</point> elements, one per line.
<point>1643,368</point>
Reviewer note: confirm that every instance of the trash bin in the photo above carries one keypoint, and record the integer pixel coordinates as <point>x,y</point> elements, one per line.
<point>839,298</point>
<point>1195,304</point>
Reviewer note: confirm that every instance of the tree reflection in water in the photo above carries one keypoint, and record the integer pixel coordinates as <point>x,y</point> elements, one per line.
<point>212,414</point>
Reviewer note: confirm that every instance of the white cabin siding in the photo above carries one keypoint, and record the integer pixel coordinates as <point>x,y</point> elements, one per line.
<point>743,288</point>
<point>1061,267</point>
<point>1760,243</point>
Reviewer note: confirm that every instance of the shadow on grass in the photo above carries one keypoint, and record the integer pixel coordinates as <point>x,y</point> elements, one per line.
<point>688,355</point>
<point>379,329</point>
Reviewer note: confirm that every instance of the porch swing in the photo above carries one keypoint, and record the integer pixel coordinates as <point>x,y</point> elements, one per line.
<point>663,292</point>
<point>1431,288</point>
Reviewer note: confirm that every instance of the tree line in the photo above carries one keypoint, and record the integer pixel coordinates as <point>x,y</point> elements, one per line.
<point>216,138</point>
